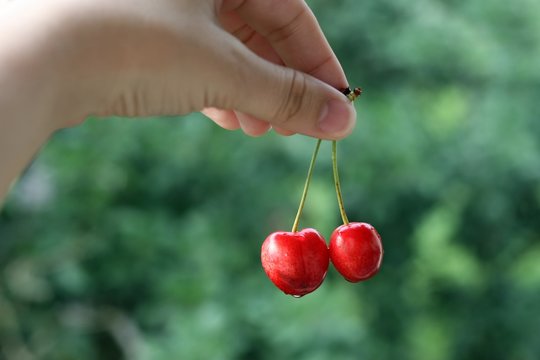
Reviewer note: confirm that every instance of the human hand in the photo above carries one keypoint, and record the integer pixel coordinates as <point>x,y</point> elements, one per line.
<point>244,63</point>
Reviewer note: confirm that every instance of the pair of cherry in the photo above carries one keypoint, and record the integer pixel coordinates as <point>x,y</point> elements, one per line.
<point>297,261</point>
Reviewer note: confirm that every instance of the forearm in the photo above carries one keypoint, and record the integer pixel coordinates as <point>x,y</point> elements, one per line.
<point>27,102</point>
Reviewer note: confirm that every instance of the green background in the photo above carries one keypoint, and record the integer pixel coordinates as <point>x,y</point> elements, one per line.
<point>141,239</point>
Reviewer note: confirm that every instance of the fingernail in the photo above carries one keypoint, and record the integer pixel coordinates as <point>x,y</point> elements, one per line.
<point>336,117</point>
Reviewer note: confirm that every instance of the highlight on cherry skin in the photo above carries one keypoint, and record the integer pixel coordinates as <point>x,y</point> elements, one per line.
<point>296,262</point>
<point>356,251</point>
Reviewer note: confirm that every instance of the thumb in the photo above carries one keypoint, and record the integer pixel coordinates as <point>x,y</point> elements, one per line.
<point>286,98</point>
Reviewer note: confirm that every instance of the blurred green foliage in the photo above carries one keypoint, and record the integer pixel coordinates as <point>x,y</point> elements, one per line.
<point>141,239</point>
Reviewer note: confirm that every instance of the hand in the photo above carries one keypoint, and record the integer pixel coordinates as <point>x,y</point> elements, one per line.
<point>234,60</point>
<point>244,63</point>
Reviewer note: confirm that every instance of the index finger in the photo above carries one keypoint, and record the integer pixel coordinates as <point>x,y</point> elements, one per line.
<point>293,31</point>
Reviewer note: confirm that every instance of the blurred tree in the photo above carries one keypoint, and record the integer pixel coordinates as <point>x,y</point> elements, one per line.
<point>140,239</point>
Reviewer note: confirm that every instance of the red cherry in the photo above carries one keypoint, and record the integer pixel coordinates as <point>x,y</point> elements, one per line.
<point>296,262</point>
<point>356,251</point>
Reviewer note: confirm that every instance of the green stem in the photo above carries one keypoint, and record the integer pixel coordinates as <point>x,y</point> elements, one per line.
<point>336,182</point>
<point>306,186</point>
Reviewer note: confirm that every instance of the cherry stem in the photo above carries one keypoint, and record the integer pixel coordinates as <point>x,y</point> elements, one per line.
<point>306,186</point>
<point>337,183</point>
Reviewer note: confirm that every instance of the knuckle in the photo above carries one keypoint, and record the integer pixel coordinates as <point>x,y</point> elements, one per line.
<point>293,101</point>
<point>289,28</point>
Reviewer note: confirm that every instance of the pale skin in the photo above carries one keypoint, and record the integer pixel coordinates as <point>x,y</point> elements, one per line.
<point>249,64</point>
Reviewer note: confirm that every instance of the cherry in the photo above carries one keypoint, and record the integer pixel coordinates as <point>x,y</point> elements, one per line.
<point>356,251</point>
<point>296,262</point>
<point>355,248</point>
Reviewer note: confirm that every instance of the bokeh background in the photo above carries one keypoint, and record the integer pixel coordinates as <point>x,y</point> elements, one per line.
<point>141,239</point>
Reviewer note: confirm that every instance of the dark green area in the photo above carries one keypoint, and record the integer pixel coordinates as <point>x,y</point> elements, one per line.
<point>140,239</point>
